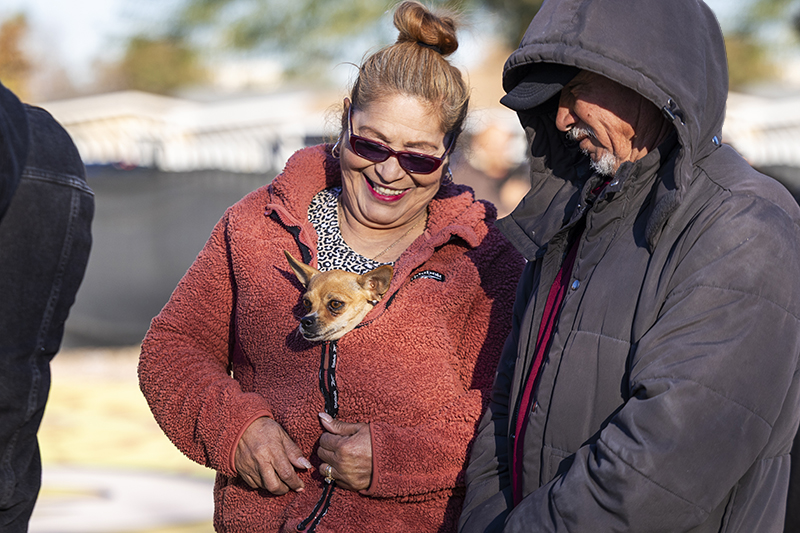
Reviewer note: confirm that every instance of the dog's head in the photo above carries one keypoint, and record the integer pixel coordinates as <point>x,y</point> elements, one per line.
<point>336,301</point>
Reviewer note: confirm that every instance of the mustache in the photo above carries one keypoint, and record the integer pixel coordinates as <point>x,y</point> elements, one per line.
<point>577,133</point>
<point>607,164</point>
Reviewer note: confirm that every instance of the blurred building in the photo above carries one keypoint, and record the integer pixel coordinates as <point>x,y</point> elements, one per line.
<point>164,170</point>
<point>237,134</point>
<point>764,128</point>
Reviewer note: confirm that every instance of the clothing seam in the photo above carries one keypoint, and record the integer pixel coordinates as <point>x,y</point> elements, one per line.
<point>65,180</point>
<point>728,289</point>
<point>55,294</point>
<point>775,457</point>
<point>706,387</point>
<point>732,193</point>
<point>560,450</point>
<point>608,447</point>
<point>39,348</point>
<point>601,335</point>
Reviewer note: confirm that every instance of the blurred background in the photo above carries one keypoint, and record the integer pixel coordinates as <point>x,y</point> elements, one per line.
<point>181,107</point>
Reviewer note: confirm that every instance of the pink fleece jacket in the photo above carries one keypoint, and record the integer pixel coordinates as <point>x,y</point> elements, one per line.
<point>225,350</point>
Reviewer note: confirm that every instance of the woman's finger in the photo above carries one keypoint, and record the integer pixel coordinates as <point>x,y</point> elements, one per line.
<point>337,427</point>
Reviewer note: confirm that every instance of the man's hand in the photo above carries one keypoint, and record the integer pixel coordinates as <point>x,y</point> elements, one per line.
<point>347,450</point>
<point>266,458</point>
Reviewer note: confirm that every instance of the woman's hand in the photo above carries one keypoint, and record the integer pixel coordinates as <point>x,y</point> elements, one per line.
<point>347,450</point>
<point>266,458</point>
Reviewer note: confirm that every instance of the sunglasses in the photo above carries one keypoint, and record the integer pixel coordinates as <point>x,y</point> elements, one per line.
<point>411,162</point>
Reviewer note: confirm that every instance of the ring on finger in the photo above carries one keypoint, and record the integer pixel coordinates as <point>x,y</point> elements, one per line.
<point>328,473</point>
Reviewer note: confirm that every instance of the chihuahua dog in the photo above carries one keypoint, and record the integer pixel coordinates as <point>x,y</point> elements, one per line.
<point>336,301</point>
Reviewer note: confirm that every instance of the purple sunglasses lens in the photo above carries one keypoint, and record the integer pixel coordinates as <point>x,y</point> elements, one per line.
<point>377,153</point>
<point>370,150</point>
<point>420,164</point>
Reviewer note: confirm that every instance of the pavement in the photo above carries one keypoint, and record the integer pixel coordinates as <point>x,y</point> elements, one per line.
<point>107,467</point>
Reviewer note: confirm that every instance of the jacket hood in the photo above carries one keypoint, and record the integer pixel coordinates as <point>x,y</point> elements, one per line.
<point>671,52</point>
<point>13,145</point>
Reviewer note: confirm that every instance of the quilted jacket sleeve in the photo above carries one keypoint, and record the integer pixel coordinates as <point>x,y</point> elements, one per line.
<point>185,361</point>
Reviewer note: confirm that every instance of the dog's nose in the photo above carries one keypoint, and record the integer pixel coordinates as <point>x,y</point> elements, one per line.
<point>307,321</point>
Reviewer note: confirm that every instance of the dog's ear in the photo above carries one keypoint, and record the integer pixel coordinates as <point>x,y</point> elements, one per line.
<point>377,280</point>
<point>303,271</point>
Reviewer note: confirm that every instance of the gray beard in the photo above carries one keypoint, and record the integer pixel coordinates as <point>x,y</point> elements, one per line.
<point>606,165</point>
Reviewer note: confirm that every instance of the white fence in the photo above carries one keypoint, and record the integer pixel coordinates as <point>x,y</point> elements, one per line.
<point>253,134</point>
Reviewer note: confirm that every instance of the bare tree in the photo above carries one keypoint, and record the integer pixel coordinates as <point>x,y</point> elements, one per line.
<point>311,31</point>
<point>159,65</point>
<point>15,66</point>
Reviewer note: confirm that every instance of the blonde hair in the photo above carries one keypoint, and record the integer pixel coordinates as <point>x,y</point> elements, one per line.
<point>416,65</point>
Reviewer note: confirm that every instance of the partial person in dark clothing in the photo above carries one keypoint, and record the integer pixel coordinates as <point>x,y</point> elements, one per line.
<point>793,502</point>
<point>650,381</point>
<point>46,209</point>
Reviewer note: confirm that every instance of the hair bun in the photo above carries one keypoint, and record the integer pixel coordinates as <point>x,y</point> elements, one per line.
<point>417,24</point>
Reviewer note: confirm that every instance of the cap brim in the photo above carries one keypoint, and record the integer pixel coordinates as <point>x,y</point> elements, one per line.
<point>543,81</point>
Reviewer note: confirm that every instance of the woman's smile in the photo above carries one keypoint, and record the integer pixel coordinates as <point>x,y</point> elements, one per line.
<point>384,193</point>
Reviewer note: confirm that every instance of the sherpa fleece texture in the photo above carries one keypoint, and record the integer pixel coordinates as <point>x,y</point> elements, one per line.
<point>419,370</point>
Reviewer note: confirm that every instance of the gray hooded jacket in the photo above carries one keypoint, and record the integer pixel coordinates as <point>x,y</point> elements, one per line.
<point>670,393</point>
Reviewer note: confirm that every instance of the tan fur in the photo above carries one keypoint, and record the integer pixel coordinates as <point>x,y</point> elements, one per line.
<point>336,301</point>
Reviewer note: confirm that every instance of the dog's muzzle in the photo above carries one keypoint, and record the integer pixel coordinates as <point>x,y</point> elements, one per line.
<point>309,327</point>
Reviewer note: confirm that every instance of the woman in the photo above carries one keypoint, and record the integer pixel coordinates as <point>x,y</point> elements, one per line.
<point>235,386</point>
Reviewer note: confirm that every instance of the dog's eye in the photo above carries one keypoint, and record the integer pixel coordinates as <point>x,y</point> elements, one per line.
<point>307,304</point>
<point>335,305</point>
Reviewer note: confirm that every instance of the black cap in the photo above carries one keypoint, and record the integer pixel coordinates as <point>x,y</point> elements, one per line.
<point>543,81</point>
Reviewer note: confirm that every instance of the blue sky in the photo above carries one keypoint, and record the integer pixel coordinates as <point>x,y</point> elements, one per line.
<point>77,32</point>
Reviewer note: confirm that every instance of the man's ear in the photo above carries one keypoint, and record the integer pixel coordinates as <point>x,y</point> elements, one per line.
<point>377,280</point>
<point>303,271</point>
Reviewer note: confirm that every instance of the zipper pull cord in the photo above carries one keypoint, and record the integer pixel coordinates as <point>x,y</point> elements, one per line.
<point>327,385</point>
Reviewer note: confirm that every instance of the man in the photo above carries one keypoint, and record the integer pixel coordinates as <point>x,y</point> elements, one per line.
<point>650,382</point>
<point>46,210</point>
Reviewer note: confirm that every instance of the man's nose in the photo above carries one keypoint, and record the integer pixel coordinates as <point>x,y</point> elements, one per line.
<point>565,118</point>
